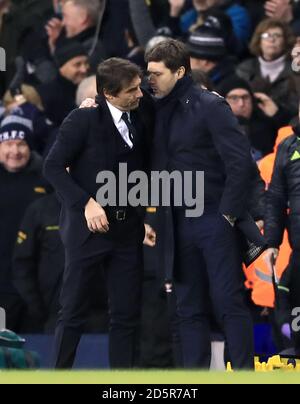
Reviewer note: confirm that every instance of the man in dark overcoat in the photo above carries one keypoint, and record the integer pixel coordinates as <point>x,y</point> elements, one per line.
<point>196,131</point>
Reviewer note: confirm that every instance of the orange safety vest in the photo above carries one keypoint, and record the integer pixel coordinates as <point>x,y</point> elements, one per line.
<point>259,279</point>
<point>266,164</point>
<point>258,276</point>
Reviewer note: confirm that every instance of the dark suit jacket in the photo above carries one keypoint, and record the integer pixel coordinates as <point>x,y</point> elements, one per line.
<point>202,134</point>
<point>197,131</point>
<point>87,145</point>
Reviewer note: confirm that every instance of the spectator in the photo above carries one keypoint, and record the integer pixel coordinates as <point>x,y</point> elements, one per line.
<point>296,65</point>
<point>99,25</point>
<point>39,66</point>
<point>193,18</point>
<point>38,262</point>
<point>259,119</point>
<point>287,11</point>
<point>201,80</point>
<point>19,19</point>
<point>38,269</point>
<point>21,182</point>
<point>58,96</point>
<point>28,93</point>
<point>270,72</point>
<point>82,21</point>
<point>86,89</point>
<point>218,20</point>
<point>41,126</point>
<point>208,54</point>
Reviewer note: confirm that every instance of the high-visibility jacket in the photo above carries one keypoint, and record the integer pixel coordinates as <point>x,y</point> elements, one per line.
<point>266,165</point>
<point>259,279</point>
<point>258,276</point>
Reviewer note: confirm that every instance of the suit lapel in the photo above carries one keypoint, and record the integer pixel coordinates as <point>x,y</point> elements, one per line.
<point>138,124</point>
<point>108,133</point>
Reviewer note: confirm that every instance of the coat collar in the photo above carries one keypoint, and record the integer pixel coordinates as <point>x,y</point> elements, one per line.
<point>255,70</point>
<point>178,94</point>
<point>106,114</point>
<point>108,131</point>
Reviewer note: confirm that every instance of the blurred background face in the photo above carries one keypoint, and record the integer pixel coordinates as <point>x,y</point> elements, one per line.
<point>272,44</point>
<point>202,5</point>
<point>197,64</point>
<point>241,102</point>
<point>74,19</point>
<point>76,69</point>
<point>201,64</point>
<point>14,155</point>
<point>86,89</point>
<point>296,57</point>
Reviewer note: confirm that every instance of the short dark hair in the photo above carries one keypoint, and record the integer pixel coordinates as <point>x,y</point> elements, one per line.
<point>114,74</point>
<point>173,53</point>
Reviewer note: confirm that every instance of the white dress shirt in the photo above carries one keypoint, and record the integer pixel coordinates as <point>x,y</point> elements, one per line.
<point>120,124</point>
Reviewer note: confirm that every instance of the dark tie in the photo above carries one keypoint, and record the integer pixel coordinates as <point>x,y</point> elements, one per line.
<point>131,128</point>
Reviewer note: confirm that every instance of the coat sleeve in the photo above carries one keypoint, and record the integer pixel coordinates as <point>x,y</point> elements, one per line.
<point>234,150</point>
<point>141,20</point>
<point>66,149</point>
<point>277,199</point>
<point>283,303</point>
<point>257,197</point>
<point>25,263</point>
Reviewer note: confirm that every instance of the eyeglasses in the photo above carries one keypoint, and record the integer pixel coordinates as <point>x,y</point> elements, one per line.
<point>268,35</point>
<point>236,98</point>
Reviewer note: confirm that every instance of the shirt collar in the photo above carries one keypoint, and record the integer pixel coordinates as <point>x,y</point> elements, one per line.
<point>115,112</point>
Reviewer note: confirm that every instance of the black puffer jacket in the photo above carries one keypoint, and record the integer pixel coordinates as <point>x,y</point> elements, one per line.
<point>283,197</point>
<point>256,201</point>
<point>18,190</point>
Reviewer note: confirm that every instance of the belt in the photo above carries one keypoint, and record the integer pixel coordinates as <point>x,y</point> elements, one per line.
<point>120,214</point>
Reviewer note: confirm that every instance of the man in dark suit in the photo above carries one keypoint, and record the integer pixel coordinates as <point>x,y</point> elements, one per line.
<point>93,140</point>
<point>196,131</point>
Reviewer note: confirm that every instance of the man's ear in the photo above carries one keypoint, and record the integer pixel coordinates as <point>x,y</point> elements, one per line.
<point>108,96</point>
<point>181,72</point>
<point>85,18</point>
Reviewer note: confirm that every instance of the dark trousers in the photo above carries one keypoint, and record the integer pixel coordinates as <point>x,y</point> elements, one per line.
<point>122,258</point>
<point>209,274</point>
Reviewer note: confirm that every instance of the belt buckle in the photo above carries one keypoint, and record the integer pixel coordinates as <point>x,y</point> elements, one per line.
<point>121,215</point>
